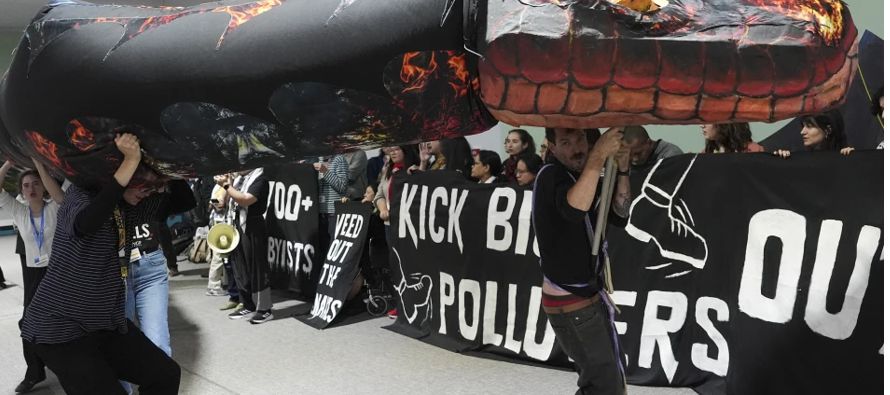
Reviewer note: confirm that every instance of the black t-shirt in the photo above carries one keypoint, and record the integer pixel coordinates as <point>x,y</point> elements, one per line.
<point>145,219</point>
<point>260,190</point>
<point>562,233</point>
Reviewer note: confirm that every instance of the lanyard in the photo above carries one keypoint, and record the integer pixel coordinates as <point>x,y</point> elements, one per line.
<point>38,235</point>
<point>123,252</point>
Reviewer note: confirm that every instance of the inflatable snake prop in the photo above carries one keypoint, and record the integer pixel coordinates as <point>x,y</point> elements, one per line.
<point>239,84</point>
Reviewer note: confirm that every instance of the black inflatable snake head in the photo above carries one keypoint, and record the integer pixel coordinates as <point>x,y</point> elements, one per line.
<point>236,84</point>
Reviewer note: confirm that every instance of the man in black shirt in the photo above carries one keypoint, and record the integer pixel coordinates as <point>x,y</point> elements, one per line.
<point>249,193</point>
<point>564,214</point>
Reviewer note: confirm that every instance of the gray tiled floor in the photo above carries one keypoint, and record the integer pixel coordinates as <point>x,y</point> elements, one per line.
<point>221,356</point>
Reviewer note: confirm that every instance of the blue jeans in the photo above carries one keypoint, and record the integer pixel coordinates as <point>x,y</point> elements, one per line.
<point>147,298</point>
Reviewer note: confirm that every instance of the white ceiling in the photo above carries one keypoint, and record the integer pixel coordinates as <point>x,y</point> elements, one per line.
<point>15,14</point>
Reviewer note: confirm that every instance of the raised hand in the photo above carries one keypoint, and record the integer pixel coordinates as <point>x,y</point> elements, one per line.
<point>609,143</point>
<point>128,145</point>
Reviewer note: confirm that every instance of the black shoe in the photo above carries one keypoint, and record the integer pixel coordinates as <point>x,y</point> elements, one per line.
<point>240,313</point>
<point>27,385</point>
<point>261,317</point>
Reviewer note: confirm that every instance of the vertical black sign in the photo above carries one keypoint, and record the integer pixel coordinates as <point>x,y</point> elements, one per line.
<point>341,263</point>
<point>292,226</point>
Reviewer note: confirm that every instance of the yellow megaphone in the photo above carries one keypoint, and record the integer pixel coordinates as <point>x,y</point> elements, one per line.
<point>223,238</point>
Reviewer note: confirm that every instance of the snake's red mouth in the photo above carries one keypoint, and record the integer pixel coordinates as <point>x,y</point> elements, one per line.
<point>591,63</point>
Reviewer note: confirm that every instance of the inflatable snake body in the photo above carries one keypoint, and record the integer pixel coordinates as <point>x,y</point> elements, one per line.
<point>240,84</point>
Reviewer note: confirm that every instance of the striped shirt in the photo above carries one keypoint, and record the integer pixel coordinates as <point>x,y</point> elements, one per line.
<point>333,184</point>
<point>83,291</point>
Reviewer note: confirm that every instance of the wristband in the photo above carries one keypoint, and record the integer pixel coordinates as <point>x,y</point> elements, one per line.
<point>623,173</point>
<point>226,187</point>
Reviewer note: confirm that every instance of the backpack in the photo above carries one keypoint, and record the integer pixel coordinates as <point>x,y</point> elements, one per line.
<point>200,252</point>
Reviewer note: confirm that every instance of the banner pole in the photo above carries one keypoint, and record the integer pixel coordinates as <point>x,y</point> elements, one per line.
<point>608,185</point>
<point>607,188</point>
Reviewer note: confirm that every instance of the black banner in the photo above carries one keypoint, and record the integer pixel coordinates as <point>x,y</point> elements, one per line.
<point>736,273</point>
<point>341,264</point>
<point>292,225</point>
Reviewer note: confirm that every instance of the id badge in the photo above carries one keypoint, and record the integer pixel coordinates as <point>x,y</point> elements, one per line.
<point>41,261</point>
<point>135,255</point>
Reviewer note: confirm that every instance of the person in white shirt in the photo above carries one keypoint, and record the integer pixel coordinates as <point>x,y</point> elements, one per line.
<point>218,215</point>
<point>486,167</point>
<point>35,219</point>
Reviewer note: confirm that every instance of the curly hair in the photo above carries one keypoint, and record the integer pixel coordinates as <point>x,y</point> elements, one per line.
<point>733,137</point>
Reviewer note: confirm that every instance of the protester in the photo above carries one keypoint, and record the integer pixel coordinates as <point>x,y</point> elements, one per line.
<point>517,141</point>
<point>564,219</point>
<point>218,214</point>
<point>458,155</point>
<point>527,168</point>
<point>35,220</point>
<point>401,158</point>
<point>729,137</point>
<point>431,156</point>
<point>487,167</point>
<point>358,174</point>
<point>822,132</point>
<point>145,210</point>
<point>333,183</point>
<point>375,165</point>
<point>644,152</point>
<point>543,152</point>
<point>377,249</point>
<point>76,319</point>
<point>249,193</point>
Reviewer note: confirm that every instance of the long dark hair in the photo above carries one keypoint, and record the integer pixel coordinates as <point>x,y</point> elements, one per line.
<point>458,156</point>
<point>832,124</point>
<point>733,137</point>
<point>532,161</point>
<point>525,138</point>
<point>412,157</point>
<point>492,160</point>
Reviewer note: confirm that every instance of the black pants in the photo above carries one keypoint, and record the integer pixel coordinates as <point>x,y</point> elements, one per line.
<point>585,336</point>
<point>93,364</point>
<point>31,276</point>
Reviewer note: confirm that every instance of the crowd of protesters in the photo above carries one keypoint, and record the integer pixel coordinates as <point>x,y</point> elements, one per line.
<point>117,231</point>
